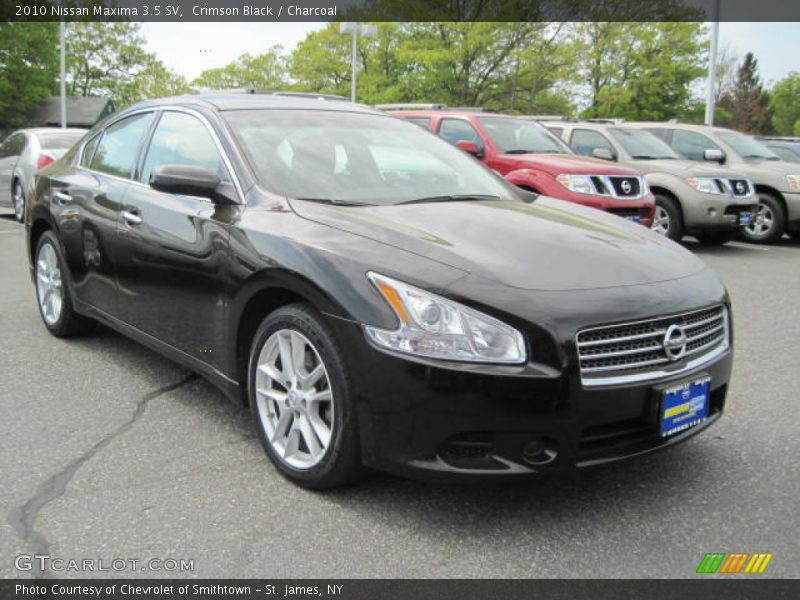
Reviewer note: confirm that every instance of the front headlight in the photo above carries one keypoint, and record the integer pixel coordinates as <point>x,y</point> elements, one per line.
<point>434,327</point>
<point>580,184</point>
<point>704,184</point>
<point>794,182</point>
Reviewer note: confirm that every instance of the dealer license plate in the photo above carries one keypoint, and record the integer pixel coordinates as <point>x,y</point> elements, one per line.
<point>685,405</point>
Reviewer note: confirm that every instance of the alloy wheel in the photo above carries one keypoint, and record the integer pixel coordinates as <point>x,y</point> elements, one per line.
<point>294,399</point>
<point>661,221</point>
<point>761,226</point>
<point>18,200</point>
<point>49,287</point>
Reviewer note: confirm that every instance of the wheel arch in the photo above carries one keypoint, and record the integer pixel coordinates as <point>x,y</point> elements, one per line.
<point>767,189</point>
<point>264,293</point>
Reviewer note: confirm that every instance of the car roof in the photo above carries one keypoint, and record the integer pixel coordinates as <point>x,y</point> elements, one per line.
<point>678,125</point>
<point>444,112</point>
<point>224,102</point>
<point>45,130</point>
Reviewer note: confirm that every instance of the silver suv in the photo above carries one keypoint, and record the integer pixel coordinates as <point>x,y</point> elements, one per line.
<point>777,183</point>
<point>712,204</point>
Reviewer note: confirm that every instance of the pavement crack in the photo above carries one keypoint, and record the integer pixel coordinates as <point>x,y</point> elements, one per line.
<point>23,518</point>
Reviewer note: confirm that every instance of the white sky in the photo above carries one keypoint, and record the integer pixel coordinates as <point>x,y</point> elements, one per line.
<point>189,48</point>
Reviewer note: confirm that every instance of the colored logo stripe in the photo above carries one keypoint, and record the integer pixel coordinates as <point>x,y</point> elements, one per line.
<point>734,562</point>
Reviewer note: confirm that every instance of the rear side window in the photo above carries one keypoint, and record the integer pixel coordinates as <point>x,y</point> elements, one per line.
<point>584,141</point>
<point>457,130</point>
<point>424,122</point>
<point>13,146</point>
<point>59,141</point>
<point>692,144</point>
<point>182,139</point>
<point>119,147</point>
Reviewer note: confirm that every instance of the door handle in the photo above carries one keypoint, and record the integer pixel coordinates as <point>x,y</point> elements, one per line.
<point>131,217</point>
<point>62,197</point>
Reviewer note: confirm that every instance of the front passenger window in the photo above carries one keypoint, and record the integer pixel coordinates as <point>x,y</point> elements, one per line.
<point>182,139</point>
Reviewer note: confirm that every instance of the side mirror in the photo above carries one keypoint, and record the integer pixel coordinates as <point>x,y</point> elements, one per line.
<point>603,153</point>
<point>470,148</point>
<point>714,155</point>
<point>192,180</point>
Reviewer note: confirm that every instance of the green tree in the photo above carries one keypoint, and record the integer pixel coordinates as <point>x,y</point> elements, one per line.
<point>639,70</point>
<point>321,62</point>
<point>103,57</point>
<point>785,104</point>
<point>154,80</point>
<point>748,102</point>
<point>265,71</point>
<point>28,69</point>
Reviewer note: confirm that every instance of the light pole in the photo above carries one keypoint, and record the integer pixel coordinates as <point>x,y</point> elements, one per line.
<point>712,64</point>
<point>354,29</point>
<point>62,68</point>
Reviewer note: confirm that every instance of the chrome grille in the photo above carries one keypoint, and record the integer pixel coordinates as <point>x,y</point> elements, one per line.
<point>636,351</point>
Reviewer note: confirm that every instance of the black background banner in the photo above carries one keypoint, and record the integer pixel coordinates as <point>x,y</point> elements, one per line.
<point>732,588</point>
<point>400,10</point>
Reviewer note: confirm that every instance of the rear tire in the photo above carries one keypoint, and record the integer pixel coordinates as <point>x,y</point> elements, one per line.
<point>301,400</point>
<point>667,218</point>
<point>769,222</point>
<point>18,201</point>
<point>715,238</point>
<point>53,291</point>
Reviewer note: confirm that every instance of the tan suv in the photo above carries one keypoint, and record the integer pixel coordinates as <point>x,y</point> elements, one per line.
<point>777,183</point>
<point>710,203</point>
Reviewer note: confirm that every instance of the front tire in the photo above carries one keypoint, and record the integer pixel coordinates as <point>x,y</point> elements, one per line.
<point>667,218</point>
<point>301,399</point>
<point>18,201</point>
<point>52,291</point>
<point>769,222</point>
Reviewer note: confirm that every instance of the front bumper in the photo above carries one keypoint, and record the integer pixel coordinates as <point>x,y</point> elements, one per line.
<point>422,421</point>
<point>711,212</point>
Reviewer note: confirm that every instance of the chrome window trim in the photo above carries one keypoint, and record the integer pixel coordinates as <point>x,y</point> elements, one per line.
<point>659,374</point>
<point>160,109</point>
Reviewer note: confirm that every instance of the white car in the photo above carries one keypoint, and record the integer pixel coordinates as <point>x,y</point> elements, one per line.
<point>22,154</point>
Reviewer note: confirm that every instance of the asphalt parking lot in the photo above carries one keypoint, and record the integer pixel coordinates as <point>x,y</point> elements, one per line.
<point>110,451</point>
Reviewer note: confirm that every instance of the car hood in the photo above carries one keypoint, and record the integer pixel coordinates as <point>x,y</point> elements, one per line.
<point>760,170</point>
<point>682,168</point>
<point>556,164</point>
<point>544,245</point>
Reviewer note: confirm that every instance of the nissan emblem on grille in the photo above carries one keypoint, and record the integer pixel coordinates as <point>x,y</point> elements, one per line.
<point>626,186</point>
<point>740,187</point>
<point>675,342</point>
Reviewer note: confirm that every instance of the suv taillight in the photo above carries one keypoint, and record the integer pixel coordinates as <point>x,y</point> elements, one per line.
<point>43,161</point>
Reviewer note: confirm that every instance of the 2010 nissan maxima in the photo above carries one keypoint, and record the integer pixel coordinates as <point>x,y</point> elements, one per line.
<point>377,297</point>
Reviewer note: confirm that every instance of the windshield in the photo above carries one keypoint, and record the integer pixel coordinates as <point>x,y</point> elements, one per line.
<point>745,146</point>
<point>353,158</point>
<point>519,136</point>
<point>642,145</point>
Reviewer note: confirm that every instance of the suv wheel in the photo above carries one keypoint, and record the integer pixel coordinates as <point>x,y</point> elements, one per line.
<point>18,200</point>
<point>52,291</point>
<point>667,220</point>
<point>301,399</point>
<point>715,238</point>
<point>769,222</point>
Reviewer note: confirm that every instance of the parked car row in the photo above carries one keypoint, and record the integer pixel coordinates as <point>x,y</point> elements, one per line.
<point>22,154</point>
<point>377,297</point>
<point>742,189</point>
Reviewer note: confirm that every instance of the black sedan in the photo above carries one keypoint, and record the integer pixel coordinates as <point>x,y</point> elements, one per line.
<point>374,295</point>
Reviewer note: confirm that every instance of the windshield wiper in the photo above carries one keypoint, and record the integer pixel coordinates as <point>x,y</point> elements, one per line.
<point>756,156</point>
<point>523,151</point>
<point>451,198</point>
<point>336,202</point>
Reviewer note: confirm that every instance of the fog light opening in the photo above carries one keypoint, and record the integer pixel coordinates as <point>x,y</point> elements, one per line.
<point>539,451</point>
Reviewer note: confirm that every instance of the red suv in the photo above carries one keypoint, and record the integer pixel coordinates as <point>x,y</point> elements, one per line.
<point>531,157</point>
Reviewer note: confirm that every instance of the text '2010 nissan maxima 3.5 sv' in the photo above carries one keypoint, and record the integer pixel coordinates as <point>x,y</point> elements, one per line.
<point>377,297</point>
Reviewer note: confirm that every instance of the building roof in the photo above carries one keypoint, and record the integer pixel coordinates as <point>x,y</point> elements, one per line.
<point>82,111</point>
